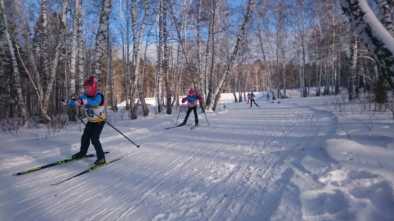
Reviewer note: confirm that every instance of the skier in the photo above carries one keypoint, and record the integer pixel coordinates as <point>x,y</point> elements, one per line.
<point>251,97</point>
<point>93,102</point>
<point>72,109</point>
<point>192,97</point>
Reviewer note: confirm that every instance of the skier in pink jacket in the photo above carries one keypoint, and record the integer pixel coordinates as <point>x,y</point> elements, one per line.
<point>192,97</point>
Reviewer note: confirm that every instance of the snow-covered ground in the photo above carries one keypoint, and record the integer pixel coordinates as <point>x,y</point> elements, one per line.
<point>301,159</point>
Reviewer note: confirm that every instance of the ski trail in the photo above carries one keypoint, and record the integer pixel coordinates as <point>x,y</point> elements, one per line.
<point>71,192</point>
<point>245,166</point>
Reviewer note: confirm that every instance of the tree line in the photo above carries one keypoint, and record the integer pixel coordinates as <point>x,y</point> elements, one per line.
<point>159,48</point>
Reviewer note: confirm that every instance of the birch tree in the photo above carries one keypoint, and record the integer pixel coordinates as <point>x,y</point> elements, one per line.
<point>138,30</point>
<point>166,51</point>
<point>353,70</point>
<point>99,65</point>
<point>16,74</point>
<point>210,49</point>
<point>109,93</point>
<point>76,50</point>
<point>54,63</point>
<point>240,36</point>
<point>141,89</point>
<point>280,36</point>
<point>42,59</point>
<point>373,33</point>
<point>180,25</point>
<point>158,87</point>
<point>300,15</point>
<point>386,9</point>
<point>262,37</point>
<point>126,53</point>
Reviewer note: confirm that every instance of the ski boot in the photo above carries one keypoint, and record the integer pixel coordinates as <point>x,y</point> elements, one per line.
<point>100,161</point>
<point>78,155</point>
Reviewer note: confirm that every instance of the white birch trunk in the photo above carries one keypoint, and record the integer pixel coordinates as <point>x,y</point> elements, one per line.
<point>75,46</point>
<point>229,65</point>
<point>211,44</point>
<point>101,40</point>
<point>16,74</point>
<point>373,33</point>
<point>141,93</point>
<point>138,32</point>
<point>158,88</point>
<point>353,70</point>
<point>386,8</point>
<point>53,68</point>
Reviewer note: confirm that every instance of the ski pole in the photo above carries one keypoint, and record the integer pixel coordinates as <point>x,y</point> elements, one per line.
<point>117,130</point>
<point>120,132</point>
<point>82,121</point>
<point>205,114</point>
<point>79,116</point>
<point>178,114</point>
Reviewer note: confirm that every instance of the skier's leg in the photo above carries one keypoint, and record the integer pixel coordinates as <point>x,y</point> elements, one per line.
<point>85,141</point>
<point>72,114</point>
<point>195,116</point>
<point>187,116</point>
<point>96,132</point>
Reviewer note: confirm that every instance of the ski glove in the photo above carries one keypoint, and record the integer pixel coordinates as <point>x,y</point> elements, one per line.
<point>90,112</point>
<point>83,101</point>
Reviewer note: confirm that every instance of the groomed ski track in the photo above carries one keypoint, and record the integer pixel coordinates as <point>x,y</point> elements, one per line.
<point>245,166</point>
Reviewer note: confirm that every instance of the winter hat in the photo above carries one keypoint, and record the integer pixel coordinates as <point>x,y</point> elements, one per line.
<point>191,91</point>
<point>91,86</point>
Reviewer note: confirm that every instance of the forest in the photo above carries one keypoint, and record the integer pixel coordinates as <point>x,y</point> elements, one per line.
<point>160,48</point>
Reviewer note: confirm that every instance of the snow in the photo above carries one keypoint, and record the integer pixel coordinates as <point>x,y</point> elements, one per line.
<point>378,29</point>
<point>302,159</point>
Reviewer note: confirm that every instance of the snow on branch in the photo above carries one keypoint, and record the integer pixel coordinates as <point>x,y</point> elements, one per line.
<point>374,34</point>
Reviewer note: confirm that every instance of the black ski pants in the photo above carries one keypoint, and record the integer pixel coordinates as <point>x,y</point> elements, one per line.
<point>253,101</point>
<point>92,134</point>
<point>190,109</point>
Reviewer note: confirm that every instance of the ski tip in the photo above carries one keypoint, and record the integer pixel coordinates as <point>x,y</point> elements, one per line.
<point>57,184</point>
<point>21,173</point>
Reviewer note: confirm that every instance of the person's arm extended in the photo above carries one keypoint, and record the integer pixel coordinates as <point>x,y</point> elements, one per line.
<point>184,99</point>
<point>91,101</point>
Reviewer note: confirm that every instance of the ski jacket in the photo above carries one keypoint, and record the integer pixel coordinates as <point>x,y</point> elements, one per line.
<point>71,104</point>
<point>94,107</point>
<point>192,99</point>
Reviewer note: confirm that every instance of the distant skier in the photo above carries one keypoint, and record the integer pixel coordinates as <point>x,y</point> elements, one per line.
<point>251,99</point>
<point>93,102</point>
<point>192,97</point>
<point>72,109</point>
